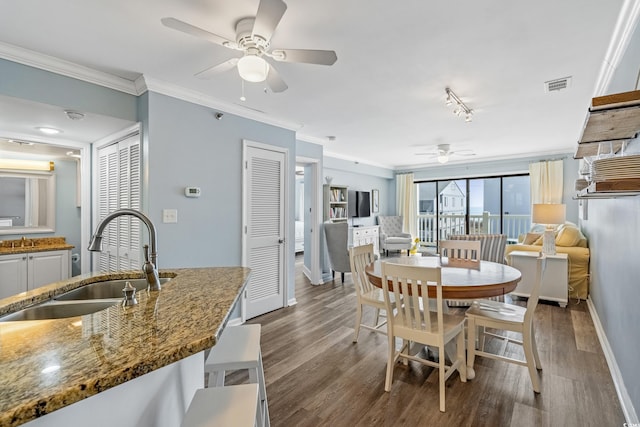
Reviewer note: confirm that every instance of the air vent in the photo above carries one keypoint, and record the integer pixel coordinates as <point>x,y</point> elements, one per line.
<point>557,84</point>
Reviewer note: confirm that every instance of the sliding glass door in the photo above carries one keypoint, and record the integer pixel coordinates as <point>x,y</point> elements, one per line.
<point>493,205</point>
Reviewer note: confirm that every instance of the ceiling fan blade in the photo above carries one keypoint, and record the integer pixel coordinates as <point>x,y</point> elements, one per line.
<point>268,17</point>
<point>308,56</point>
<point>463,153</point>
<point>176,24</point>
<point>217,69</point>
<point>275,82</point>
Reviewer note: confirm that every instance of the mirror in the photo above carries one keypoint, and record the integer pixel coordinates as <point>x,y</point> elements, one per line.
<point>28,203</point>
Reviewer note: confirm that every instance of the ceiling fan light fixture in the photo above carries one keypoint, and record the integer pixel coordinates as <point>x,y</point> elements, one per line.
<point>253,68</point>
<point>443,158</point>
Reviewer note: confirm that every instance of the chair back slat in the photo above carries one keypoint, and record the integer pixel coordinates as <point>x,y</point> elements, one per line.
<point>411,286</point>
<point>461,250</point>
<point>360,257</point>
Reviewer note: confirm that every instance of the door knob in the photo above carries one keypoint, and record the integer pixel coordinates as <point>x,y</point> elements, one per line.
<point>280,240</point>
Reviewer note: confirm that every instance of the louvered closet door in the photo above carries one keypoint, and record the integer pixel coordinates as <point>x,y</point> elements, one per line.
<point>265,230</point>
<point>119,187</point>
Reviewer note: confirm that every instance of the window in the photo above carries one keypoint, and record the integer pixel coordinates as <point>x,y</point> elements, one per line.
<point>474,206</point>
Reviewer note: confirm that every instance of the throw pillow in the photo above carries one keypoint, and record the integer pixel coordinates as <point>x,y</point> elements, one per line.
<point>531,238</point>
<point>568,236</point>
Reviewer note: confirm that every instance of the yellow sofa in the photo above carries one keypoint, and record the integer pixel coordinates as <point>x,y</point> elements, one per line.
<point>570,241</point>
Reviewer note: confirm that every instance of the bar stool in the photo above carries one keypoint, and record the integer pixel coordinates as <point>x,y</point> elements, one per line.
<point>235,405</point>
<point>239,348</point>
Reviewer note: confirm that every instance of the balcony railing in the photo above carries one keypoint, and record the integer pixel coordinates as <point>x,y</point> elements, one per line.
<point>487,223</point>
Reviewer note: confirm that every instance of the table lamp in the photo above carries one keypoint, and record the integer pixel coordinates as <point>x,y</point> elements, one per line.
<point>549,214</point>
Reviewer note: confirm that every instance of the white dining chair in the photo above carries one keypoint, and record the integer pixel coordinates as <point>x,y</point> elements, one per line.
<point>485,314</point>
<point>411,323</point>
<point>367,294</point>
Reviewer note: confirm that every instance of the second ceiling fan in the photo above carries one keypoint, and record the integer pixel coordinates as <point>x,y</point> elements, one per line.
<point>253,39</point>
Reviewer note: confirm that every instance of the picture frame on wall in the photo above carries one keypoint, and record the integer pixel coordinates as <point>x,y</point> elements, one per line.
<point>375,201</point>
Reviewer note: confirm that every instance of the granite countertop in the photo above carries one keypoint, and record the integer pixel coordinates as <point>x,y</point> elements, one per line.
<point>39,244</point>
<point>98,351</point>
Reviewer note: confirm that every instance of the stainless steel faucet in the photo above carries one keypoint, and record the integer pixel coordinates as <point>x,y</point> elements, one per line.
<point>150,267</point>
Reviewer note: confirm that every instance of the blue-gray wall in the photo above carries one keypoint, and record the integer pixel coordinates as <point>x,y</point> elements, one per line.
<point>613,229</point>
<point>188,146</point>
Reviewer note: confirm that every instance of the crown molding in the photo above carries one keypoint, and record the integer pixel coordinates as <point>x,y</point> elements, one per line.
<point>146,83</point>
<point>622,33</point>
<point>65,68</point>
<point>138,87</point>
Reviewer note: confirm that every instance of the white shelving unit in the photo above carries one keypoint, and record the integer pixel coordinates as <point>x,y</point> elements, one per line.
<point>336,203</point>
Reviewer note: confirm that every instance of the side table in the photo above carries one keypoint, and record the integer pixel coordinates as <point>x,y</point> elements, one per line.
<point>554,286</point>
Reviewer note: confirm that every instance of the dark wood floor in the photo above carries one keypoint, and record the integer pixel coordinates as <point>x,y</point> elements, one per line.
<point>317,376</point>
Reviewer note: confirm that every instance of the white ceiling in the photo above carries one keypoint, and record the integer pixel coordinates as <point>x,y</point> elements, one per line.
<point>384,98</point>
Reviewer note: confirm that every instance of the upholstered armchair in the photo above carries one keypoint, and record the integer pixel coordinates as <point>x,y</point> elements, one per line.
<point>392,238</point>
<point>337,245</point>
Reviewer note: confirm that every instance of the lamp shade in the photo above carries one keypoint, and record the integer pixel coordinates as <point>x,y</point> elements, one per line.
<point>548,213</point>
<point>253,68</point>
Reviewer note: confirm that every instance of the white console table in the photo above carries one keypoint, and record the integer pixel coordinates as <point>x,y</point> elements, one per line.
<point>359,236</point>
<point>554,286</point>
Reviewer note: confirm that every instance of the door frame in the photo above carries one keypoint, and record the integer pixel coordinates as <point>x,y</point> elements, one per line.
<point>246,143</point>
<point>314,273</point>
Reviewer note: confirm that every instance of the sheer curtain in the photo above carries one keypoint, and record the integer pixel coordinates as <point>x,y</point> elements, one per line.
<point>546,181</point>
<point>406,204</point>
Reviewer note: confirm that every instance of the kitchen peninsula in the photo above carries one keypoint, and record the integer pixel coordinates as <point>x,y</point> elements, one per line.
<point>137,365</point>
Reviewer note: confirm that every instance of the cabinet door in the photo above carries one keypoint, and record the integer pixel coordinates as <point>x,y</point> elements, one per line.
<point>13,274</point>
<point>47,267</point>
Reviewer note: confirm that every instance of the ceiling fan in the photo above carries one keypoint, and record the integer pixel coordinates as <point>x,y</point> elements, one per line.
<point>444,151</point>
<point>253,39</point>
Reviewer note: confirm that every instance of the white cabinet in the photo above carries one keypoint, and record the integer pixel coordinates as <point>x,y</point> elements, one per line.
<point>26,271</point>
<point>554,286</point>
<point>360,236</point>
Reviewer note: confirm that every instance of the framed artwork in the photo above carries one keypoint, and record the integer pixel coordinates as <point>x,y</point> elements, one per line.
<point>375,204</point>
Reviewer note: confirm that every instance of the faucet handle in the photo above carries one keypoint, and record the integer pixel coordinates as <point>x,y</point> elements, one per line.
<point>129,295</point>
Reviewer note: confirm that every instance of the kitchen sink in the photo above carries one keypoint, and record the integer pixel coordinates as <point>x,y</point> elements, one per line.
<point>54,310</point>
<point>105,290</point>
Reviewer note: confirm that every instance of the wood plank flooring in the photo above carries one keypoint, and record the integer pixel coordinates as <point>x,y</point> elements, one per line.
<point>316,375</point>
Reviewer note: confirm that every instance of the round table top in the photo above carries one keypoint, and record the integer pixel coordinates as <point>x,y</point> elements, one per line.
<point>489,279</point>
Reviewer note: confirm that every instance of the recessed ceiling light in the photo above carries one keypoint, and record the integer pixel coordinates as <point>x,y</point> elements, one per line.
<point>48,131</point>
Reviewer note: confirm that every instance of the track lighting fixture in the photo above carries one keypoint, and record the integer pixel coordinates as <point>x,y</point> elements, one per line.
<point>460,108</point>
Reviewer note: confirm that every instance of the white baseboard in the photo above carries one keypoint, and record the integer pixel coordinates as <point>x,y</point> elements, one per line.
<point>291,302</point>
<point>629,411</point>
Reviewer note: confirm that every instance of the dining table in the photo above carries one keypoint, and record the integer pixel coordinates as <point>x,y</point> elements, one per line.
<point>460,279</point>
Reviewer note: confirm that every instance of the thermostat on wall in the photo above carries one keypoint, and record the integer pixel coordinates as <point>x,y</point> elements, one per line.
<point>192,191</point>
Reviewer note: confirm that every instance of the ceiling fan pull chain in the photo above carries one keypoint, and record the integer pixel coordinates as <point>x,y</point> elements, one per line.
<point>242,97</point>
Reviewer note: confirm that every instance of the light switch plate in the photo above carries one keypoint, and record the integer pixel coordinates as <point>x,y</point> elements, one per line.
<point>170,216</point>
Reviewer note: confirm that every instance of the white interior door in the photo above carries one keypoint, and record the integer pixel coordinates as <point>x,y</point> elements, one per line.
<point>264,230</point>
<point>119,186</point>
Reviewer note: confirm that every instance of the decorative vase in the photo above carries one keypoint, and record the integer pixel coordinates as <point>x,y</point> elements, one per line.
<point>328,179</point>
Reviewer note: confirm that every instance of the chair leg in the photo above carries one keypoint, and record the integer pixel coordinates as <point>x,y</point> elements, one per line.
<point>535,349</point>
<point>471,347</point>
<point>441,374</point>
<point>342,277</point>
<point>358,322</point>
<point>462,363</point>
<point>529,357</point>
<point>390,360</point>
<point>377,318</point>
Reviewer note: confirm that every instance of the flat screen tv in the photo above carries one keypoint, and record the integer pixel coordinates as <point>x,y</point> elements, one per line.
<point>359,203</point>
